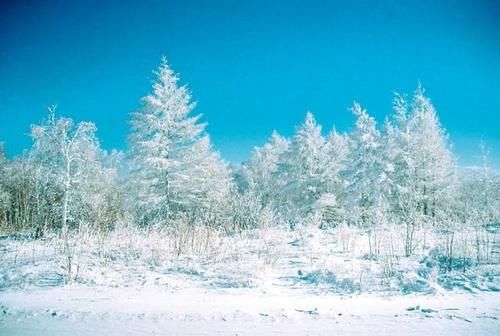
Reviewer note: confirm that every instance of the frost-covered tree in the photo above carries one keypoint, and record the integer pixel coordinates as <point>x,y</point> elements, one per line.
<point>401,154</point>
<point>479,193</point>
<point>173,167</point>
<point>365,174</point>
<point>61,182</point>
<point>207,185</point>
<point>307,161</point>
<point>336,153</point>
<point>423,178</point>
<point>20,195</point>
<point>68,158</point>
<point>4,192</point>
<point>291,176</point>
<point>304,169</point>
<point>260,199</point>
<point>489,184</point>
<point>424,164</point>
<point>261,171</point>
<point>101,195</point>
<point>434,163</point>
<point>331,204</point>
<point>477,205</point>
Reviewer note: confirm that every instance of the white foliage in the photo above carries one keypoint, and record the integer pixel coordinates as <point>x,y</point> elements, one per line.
<point>68,156</point>
<point>366,169</point>
<point>173,166</point>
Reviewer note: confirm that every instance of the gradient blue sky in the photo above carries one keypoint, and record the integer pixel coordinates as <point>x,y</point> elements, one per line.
<point>253,66</point>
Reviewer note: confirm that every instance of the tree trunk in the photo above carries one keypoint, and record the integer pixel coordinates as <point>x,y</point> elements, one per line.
<point>64,221</point>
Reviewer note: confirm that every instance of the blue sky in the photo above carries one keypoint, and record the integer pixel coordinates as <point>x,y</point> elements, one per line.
<point>253,66</point>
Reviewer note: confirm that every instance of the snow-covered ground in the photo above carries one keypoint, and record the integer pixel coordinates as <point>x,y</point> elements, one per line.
<point>77,310</point>
<point>257,283</point>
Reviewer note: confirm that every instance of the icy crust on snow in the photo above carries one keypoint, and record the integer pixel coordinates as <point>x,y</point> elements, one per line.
<point>313,261</point>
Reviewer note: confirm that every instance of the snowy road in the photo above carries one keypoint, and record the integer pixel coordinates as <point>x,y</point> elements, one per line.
<point>156,311</point>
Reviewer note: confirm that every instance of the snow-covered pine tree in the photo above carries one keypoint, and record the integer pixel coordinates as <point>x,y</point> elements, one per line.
<point>366,169</point>
<point>330,205</point>
<point>291,176</point>
<point>304,169</point>
<point>207,184</point>
<point>400,153</point>
<point>259,202</point>
<point>424,176</point>
<point>173,167</point>
<point>261,171</point>
<point>434,164</point>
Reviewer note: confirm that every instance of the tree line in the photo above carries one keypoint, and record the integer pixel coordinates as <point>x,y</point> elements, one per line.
<point>401,174</point>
